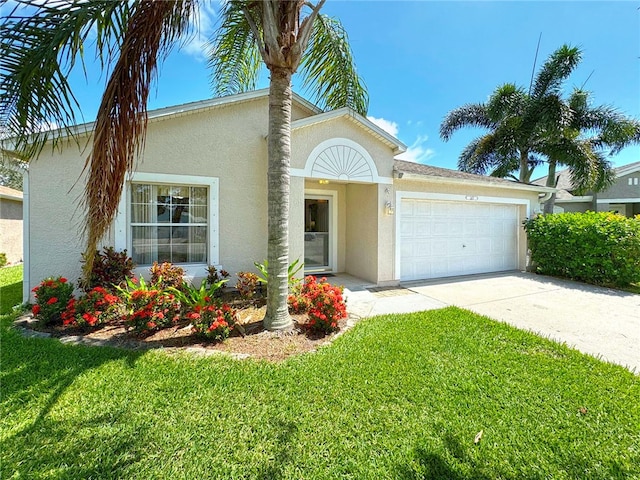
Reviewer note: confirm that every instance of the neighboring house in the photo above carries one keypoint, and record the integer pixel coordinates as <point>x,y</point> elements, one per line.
<point>199,196</point>
<point>622,197</point>
<point>11,224</point>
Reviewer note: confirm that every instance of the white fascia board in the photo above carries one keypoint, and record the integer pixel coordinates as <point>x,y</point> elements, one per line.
<point>626,170</point>
<point>346,112</point>
<point>576,199</point>
<point>618,200</point>
<point>12,196</point>
<point>479,183</point>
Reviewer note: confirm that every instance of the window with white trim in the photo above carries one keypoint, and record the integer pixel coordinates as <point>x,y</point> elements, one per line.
<point>169,223</point>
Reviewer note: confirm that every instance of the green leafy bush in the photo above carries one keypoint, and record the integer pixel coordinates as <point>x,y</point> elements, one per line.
<point>600,248</point>
<point>110,268</point>
<point>3,259</point>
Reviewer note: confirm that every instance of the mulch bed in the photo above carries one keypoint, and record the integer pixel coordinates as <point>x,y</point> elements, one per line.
<point>256,342</point>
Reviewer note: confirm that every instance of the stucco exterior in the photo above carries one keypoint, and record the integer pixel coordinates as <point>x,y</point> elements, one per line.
<point>11,224</point>
<point>338,156</point>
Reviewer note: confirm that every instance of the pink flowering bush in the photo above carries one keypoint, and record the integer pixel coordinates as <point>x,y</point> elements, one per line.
<point>97,307</point>
<point>211,321</point>
<point>323,303</point>
<point>52,296</point>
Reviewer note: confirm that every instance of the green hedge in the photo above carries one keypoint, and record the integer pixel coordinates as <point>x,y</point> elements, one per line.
<point>601,248</point>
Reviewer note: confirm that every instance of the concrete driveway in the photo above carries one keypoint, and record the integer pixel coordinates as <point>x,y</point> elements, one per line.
<point>599,321</point>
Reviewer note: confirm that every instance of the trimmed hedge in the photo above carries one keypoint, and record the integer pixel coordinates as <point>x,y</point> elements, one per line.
<point>600,248</point>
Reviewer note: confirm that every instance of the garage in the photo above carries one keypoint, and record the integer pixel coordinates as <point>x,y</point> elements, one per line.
<point>449,238</point>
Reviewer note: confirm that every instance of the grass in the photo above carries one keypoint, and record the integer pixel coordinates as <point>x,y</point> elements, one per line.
<point>10,288</point>
<point>397,397</point>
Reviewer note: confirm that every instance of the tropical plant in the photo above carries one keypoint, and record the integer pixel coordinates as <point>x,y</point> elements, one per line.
<point>190,296</point>
<point>97,307</point>
<point>247,284</point>
<point>292,271</point>
<point>166,275</point>
<point>40,48</point>
<point>110,268</point>
<point>147,307</point>
<point>323,302</point>
<point>213,322</point>
<point>214,275</point>
<point>528,128</point>
<point>52,296</point>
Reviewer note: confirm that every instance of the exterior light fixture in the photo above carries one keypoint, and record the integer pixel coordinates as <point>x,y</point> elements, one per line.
<point>388,208</point>
<point>323,182</point>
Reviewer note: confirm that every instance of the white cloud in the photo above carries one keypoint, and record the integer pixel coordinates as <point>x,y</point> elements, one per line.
<point>418,152</point>
<point>203,26</point>
<point>387,125</point>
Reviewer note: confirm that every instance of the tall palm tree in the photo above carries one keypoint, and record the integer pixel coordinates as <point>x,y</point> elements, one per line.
<point>41,48</point>
<point>529,128</point>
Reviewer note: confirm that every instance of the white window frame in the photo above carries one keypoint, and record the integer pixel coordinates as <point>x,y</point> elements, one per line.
<point>122,223</point>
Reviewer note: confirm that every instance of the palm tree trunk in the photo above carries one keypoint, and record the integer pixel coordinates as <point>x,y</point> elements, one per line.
<point>524,166</point>
<point>279,145</point>
<point>551,182</point>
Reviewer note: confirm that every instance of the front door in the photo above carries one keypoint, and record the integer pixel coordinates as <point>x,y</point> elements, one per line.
<point>317,233</point>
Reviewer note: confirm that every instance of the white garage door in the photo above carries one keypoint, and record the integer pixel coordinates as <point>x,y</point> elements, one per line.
<point>443,239</point>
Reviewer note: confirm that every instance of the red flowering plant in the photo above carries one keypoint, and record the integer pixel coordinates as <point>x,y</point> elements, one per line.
<point>98,306</point>
<point>211,321</point>
<point>52,296</point>
<point>147,307</point>
<point>326,304</point>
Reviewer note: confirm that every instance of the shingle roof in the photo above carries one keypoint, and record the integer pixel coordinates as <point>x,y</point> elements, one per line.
<point>431,171</point>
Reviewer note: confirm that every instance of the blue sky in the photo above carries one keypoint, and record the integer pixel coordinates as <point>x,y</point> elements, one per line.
<point>421,59</point>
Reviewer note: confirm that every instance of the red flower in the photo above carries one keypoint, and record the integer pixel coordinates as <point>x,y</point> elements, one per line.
<point>62,280</point>
<point>35,309</point>
<point>52,300</point>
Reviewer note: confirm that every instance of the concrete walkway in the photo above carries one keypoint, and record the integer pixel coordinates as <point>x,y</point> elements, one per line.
<point>602,322</point>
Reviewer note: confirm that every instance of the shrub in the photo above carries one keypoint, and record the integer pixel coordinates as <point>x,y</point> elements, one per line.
<point>214,276</point>
<point>190,296</point>
<point>110,268</point>
<point>247,284</point>
<point>600,248</point>
<point>212,322</point>
<point>3,259</point>
<point>166,275</point>
<point>52,297</point>
<point>148,307</point>
<point>97,307</point>
<point>325,304</point>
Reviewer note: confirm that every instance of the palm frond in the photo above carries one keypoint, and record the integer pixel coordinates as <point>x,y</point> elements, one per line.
<point>122,116</point>
<point>506,101</point>
<point>40,44</point>
<point>329,70</point>
<point>470,115</point>
<point>234,54</point>
<point>555,71</point>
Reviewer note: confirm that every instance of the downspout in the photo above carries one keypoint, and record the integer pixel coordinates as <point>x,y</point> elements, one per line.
<point>26,228</point>
<point>542,199</point>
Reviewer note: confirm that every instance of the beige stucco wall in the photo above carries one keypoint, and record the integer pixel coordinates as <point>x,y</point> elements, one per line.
<point>11,229</point>
<point>305,139</point>
<point>362,232</point>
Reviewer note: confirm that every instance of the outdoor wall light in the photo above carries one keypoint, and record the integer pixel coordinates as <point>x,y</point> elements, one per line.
<point>323,182</point>
<point>388,208</point>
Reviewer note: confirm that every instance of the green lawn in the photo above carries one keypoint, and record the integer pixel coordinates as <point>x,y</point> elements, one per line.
<point>10,287</point>
<point>397,397</point>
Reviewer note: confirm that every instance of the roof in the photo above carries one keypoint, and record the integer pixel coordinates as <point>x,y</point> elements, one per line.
<point>199,106</point>
<point>565,183</point>
<point>445,174</point>
<point>10,193</point>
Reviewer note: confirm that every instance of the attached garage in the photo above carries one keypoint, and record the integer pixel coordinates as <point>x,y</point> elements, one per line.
<point>448,238</point>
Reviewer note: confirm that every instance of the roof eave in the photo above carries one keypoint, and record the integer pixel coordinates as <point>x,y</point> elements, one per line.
<point>480,183</point>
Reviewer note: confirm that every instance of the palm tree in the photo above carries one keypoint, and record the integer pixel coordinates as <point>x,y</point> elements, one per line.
<point>529,128</point>
<point>40,49</point>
